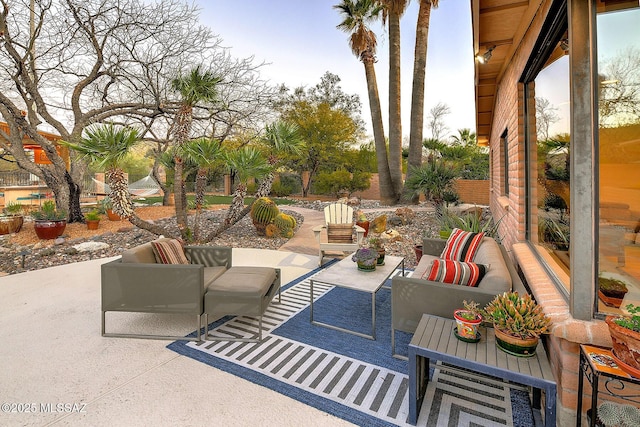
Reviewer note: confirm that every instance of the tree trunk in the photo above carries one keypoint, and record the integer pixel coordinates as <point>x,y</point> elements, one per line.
<point>178,189</point>
<point>395,122</point>
<point>417,94</point>
<point>75,212</point>
<point>265,185</point>
<point>387,195</point>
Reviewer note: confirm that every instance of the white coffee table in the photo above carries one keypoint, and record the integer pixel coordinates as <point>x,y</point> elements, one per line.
<point>345,274</point>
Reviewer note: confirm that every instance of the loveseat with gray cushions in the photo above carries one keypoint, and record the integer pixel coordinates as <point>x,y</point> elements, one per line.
<point>208,284</point>
<point>411,297</point>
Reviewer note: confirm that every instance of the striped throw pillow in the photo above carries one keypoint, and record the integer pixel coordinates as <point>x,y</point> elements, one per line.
<point>455,272</point>
<point>169,251</point>
<point>462,245</point>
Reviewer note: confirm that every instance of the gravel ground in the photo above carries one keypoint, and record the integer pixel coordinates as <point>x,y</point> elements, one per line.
<point>24,252</point>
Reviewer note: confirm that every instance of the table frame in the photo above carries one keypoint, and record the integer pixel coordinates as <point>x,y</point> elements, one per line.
<point>615,379</point>
<point>434,339</point>
<point>391,263</point>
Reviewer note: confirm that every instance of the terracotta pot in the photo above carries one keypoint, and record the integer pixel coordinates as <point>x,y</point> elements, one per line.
<point>365,225</point>
<point>516,346</point>
<point>113,216</point>
<point>92,224</point>
<point>47,230</point>
<point>626,343</point>
<point>418,250</point>
<point>467,328</point>
<point>11,224</point>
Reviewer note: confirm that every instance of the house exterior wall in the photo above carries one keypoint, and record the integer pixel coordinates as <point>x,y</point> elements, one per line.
<point>567,333</point>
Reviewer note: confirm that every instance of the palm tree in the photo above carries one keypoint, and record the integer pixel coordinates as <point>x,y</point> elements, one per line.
<point>106,146</point>
<point>281,138</point>
<point>357,15</point>
<point>195,87</point>
<point>417,93</point>
<point>465,137</point>
<point>392,11</point>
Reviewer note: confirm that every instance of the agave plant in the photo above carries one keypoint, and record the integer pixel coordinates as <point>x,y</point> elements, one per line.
<point>519,316</point>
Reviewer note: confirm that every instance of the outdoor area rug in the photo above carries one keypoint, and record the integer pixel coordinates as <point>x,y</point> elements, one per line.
<point>350,377</point>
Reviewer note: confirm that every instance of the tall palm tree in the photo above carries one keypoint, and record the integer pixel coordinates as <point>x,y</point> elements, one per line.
<point>392,11</point>
<point>417,92</point>
<point>465,137</point>
<point>281,138</point>
<point>195,87</point>
<point>357,16</point>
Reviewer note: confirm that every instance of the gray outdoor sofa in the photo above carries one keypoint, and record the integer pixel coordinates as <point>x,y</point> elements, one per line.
<point>411,297</point>
<point>208,285</point>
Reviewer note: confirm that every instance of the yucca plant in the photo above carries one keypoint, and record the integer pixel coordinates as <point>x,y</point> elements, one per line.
<point>519,316</point>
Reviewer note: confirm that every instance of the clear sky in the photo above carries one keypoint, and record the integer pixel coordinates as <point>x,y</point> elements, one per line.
<point>299,40</point>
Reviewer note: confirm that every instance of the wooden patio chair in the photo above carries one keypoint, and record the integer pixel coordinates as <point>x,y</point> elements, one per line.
<point>340,227</point>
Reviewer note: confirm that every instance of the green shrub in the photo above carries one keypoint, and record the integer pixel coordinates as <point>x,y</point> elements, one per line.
<point>341,180</point>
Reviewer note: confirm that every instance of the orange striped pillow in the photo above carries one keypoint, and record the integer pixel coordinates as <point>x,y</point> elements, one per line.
<point>462,245</point>
<point>455,272</point>
<point>169,251</point>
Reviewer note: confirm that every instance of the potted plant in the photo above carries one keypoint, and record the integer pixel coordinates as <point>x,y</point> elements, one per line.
<point>362,221</point>
<point>518,322</point>
<point>11,219</point>
<point>467,321</point>
<point>377,245</point>
<point>49,221</point>
<point>107,206</point>
<point>611,291</point>
<point>93,219</point>
<point>366,259</point>
<point>625,335</point>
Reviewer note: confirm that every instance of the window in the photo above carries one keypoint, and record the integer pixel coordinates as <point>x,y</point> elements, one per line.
<point>504,155</point>
<point>618,97</point>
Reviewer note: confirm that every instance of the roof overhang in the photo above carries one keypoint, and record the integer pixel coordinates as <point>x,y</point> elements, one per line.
<point>501,25</point>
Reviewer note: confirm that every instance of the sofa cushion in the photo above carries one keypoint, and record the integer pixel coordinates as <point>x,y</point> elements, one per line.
<point>140,254</point>
<point>423,265</point>
<point>243,282</point>
<point>497,278</point>
<point>212,273</point>
<point>455,272</point>
<point>169,251</point>
<point>462,245</point>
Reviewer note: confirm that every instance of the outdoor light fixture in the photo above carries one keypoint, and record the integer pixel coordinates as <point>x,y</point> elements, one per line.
<point>485,57</point>
<point>564,45</point>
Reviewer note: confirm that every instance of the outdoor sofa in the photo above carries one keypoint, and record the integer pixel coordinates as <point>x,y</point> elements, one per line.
<point>411,297</point>
<point>209,284</point>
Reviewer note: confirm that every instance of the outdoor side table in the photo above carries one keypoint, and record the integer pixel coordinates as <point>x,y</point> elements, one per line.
<point>434,339</point>
<point>596,362</point>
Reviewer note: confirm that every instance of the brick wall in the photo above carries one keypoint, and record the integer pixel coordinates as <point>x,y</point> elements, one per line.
<point>474,191</point>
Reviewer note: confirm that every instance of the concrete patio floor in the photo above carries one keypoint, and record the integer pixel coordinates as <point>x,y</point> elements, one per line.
<point>52,352</point>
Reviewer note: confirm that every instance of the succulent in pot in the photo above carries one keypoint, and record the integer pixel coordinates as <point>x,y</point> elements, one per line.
<point>11,219</point>
<point>377,244</point>
<point>611,291</point>
<point>93,219</point>
<point>468,319</point>
<point>49,221</point>
<point>625,336</point>
<point>366,259</point>
<point>518,322</point>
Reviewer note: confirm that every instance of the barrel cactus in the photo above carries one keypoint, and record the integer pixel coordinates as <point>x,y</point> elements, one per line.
<point>286,224</point>
<point>263,212</point>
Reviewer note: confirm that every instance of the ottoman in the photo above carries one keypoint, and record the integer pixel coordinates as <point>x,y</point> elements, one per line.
<point>241,291</point>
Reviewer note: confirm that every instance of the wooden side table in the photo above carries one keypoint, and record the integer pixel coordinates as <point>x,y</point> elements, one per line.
<point>434,339</point>
<point>596,362</point>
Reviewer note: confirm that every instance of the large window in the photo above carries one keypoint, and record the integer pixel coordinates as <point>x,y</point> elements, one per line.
<point>549,154</point>
<point>618,97</point>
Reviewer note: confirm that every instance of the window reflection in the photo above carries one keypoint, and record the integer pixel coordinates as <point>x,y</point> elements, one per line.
<point>619,157</point>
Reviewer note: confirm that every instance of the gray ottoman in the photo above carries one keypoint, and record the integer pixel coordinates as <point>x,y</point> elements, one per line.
<point>241,291</point>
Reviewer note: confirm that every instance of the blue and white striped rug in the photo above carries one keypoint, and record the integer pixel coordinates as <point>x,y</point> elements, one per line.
<point>351,377</point>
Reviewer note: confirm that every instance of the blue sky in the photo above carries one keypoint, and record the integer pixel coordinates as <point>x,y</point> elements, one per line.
<point>299,40</point>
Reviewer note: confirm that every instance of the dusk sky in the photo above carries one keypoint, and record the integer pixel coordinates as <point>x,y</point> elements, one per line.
<point>300,41</point>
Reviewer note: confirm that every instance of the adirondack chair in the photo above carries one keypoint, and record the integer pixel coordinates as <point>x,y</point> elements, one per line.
<point>340,226</point>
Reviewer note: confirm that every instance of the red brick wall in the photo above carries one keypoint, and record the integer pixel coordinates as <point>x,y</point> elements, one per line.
<point>474,191</point>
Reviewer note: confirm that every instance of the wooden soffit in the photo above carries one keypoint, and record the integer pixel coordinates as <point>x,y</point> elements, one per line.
<point>497,24</point>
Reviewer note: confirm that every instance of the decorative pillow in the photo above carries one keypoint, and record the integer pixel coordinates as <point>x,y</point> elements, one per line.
<point>455,272</point>
<point>340,233</point>
<point>462,245</point>
<point>169,251</point>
